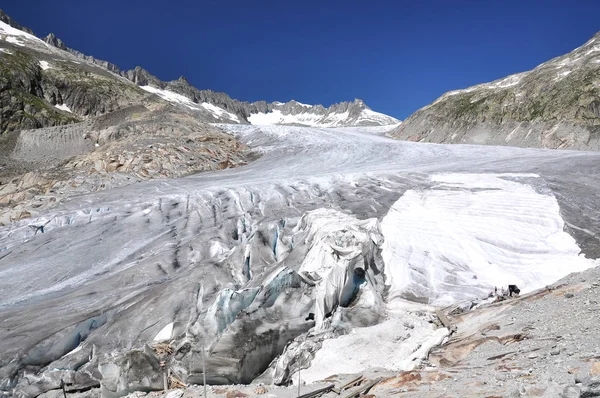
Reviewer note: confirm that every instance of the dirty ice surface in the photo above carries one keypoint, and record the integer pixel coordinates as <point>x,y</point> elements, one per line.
<point>345,224</point>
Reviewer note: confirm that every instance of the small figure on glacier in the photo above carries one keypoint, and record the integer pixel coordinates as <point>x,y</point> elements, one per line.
<point>513,289</point>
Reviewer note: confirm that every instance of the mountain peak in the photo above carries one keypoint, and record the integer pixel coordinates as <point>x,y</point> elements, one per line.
<point>355,113</point>
<point>55,41</point>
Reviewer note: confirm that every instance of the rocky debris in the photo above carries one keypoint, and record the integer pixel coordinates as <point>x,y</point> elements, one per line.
<point>539,344</point>
<point>556,105</point>
<point>50,165</point>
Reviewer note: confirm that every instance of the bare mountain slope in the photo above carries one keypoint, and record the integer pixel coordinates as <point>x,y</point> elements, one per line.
<point>555,105</point>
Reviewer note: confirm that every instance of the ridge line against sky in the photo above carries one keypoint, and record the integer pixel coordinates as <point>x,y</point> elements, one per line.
<point>397,56</point>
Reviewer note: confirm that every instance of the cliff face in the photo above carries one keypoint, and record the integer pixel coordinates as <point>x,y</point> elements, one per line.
<point>42,86</point>
<point>555,105</point>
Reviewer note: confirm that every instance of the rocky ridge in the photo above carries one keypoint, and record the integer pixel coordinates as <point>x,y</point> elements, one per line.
<point>555,105</point>
<point>355,113</point>
<point>71,125</point>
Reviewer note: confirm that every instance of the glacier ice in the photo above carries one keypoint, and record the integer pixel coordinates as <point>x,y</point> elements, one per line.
<point>345,224</point>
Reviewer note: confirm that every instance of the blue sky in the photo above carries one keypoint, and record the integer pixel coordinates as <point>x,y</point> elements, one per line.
<point>395,55</point>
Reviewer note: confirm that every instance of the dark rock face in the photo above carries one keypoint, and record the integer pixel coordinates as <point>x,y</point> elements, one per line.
<point>22,88</point>
<point>555,105</point>
<point>58,43</point>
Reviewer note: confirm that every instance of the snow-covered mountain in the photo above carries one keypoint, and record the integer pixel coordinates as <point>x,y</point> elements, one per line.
<point>344,114</point>
<point>69,86</point>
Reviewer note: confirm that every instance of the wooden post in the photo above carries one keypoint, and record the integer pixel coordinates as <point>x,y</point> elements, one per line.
<point>298,380</point>
<point>203,371</point>
<point>163,365</point>
<point>62,385</point>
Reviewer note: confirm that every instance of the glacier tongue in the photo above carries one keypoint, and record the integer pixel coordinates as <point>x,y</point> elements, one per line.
<point>233,263</point>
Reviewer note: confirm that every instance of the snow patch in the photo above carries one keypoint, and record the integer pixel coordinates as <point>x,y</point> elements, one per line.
<point>368,115</point>
<point>308,118</point>
<point>562,75</point>
<point>171,96</point>
<point>16,41</point>
<point>165,333</point>
<point>398,344</point>
<point>504,83</point>
<point>63,107</point>
<point>305,119</point>
<point>219,112</point>
<point>301,104</point>
<point>15,36</point>
<point>593,50</point>
<point>45,65</point>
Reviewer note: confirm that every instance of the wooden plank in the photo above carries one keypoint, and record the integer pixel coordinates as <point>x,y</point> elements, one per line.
<point>362,389</point>
<point>445,321</point>
<point>351,383</point>
<point>316,393</point>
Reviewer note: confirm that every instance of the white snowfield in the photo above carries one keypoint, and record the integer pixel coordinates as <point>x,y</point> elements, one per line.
<point>362,231</point>
<point>45,65</point>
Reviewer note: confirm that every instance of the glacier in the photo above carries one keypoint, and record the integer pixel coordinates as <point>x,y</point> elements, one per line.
<point>305,259</point>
